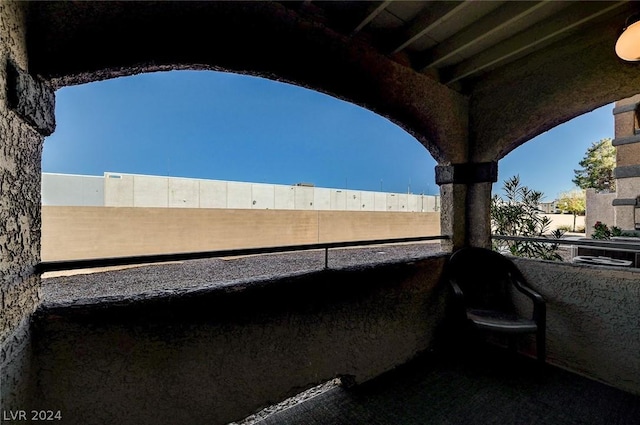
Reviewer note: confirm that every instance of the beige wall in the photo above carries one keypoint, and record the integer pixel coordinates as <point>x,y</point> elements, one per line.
<point>599,208</point>
<point>94,232</point>
<point>558,220</point>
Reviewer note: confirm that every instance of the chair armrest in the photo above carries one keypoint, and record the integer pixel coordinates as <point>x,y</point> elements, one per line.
<point>539,305</point>
<point>517,282</point>
<point>456,290</point>
<point>458,303</point>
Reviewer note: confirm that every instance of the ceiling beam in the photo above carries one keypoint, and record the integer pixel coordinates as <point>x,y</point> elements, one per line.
<point>488,26</point>
<point>427,21</point>
<point>371,15</point>
<point>554,28</point>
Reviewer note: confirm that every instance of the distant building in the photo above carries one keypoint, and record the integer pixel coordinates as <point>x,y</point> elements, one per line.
<point>549,207</point>
<point>133,190</point>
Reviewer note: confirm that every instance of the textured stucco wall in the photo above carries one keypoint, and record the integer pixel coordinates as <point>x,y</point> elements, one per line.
<point>219,355</point>
<point>599,208</point>
<point>593,319</point>
<point>20,159</point>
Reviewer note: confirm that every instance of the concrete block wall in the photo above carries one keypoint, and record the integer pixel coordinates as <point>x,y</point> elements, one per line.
<point>97,232</point>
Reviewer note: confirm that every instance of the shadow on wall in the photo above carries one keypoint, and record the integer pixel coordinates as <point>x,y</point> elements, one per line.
<point>592,319</point>
<point>217,355</point>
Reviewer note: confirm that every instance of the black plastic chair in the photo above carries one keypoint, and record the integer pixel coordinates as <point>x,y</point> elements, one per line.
<point>482,281</point>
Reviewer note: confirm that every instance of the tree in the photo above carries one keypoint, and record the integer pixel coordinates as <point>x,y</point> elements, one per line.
<point>597,167</point>
<point>573,202</point>
<point>518,215</point>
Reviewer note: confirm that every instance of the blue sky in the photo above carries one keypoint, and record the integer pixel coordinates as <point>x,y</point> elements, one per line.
<point>212,125</point>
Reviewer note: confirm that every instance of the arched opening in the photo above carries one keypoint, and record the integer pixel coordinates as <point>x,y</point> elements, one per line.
<point>207,124</point>
<point>547,162</point>
<point>537,196</point>
<point>203,140</point>
<point>261,291</point>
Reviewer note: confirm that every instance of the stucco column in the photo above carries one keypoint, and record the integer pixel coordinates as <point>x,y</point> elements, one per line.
<point>465,191</point>
<point>453,215</point>
<point>26,116</point>
<point>479,214</point>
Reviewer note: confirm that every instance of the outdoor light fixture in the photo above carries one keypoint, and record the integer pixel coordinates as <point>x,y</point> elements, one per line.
<point>628,44</point>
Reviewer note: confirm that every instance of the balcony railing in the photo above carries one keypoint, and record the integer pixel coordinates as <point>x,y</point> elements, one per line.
<point>612,253</point>
<point>52,266</point>
<point>591,243</point>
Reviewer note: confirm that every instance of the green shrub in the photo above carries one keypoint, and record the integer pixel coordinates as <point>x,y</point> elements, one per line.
<point>518,215</point>
<point>601,231</point>
<point>565,227</point>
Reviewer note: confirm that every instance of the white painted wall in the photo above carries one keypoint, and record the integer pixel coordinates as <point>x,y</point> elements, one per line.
<point>393,202</point>
<point>213,194</point>
<point>303,198</point>
<point>263,196</point>
<point>322,198</point>
<point>412,203</point>
<point>403,202</point>
<point>367,199</point>
<point>284,197</point>
<point>338,199</point>
<point>72,190</point>
<point>380,201</point>
<point>184,193</point>
<point>150,191</point>
<point>118,190</point>
<point>239,195</point>
<point>353,200</point>
<point>131,190</point>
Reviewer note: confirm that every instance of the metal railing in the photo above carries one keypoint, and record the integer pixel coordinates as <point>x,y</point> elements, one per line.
<point>52,266</point>
<point>591,243</point>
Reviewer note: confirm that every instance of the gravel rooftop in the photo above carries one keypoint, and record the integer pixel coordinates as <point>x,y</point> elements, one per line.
<point>149,280</point>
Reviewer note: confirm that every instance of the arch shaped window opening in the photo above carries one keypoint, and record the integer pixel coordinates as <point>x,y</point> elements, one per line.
<point>548,163</point>
<point>192,132</point>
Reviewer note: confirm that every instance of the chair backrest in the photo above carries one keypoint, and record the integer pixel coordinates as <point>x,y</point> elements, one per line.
<point>484,276</point>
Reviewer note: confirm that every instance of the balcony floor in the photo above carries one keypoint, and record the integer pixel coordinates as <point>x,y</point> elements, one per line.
<point>492,387</point>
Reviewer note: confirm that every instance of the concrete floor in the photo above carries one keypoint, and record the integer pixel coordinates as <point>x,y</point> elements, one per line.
<point>487,387</point>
